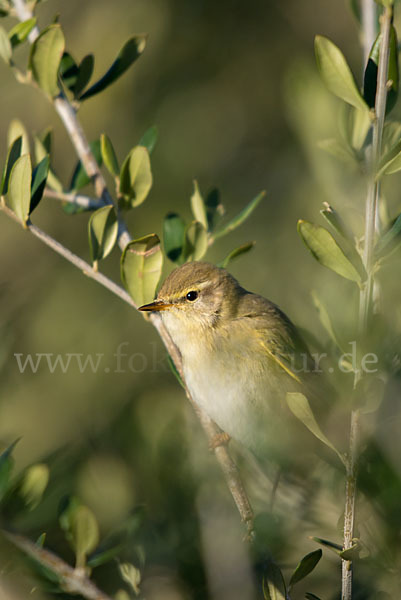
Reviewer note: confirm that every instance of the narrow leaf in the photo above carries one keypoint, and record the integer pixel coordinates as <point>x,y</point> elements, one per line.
<point>39,177</point>
<point>42,147</point>
<point>128,54</point>
<point>335,220</point>
<point>46,53</point>
<point>85,70</point>
<point>299,406</point>
<point>141,266</point>
<point>198,206</point>
<point>14,153</point>
<point>84,532</point>
<point>173,237</point>
<point>149,138</point>
<point>336,548</point>
<point>361,123</point>
<point>273,583</point>
<point>336,73</point>
<point>136,176</point>
<point>6,466</point>
<point>371,72</point>
<point>214,209</point>
<point>310,596</point>
<point>235,253</point>
<point>33,484</point>
<point>19,187</point>
<point>68,70</point>
<point>339,150</point>
<point>389,240</point>
<point>325,249</point>
<point>239,219</point>
<point>102,231</point>
<point>173,369</point>
<point>195,241</point>
<point>326,320</point>
<point>305,566</point>
<point>108,155</point>
<point>80,178</point>
<point>20,32</point>
<point>5,46</point>
<point>15,130</point>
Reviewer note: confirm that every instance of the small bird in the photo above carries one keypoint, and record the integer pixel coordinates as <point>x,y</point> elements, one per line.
<point>240,354</point>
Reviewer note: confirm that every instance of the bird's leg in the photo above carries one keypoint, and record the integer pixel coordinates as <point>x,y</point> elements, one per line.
<point>220,439</point>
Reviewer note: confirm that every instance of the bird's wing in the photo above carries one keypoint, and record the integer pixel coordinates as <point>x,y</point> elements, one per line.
<point>278,335</point>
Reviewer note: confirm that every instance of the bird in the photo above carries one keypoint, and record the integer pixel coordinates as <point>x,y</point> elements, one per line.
<point>241,354</point>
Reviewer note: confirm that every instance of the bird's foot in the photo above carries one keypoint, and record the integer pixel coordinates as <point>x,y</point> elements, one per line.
<point>220,439</point>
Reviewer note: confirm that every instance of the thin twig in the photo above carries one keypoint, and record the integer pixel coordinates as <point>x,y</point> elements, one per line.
<point>72,581</point>
<point>69,118</point>
<point>78,199</point>
<point>365,304</point>
<point>78,262</point>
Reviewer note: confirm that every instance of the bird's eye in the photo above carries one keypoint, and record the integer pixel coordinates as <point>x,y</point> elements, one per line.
<point>191,296</point>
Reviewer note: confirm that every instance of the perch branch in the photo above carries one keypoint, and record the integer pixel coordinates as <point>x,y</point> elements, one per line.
<point>71,581</point>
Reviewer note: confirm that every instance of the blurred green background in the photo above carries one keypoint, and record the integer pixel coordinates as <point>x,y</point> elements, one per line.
<point>234,92</point>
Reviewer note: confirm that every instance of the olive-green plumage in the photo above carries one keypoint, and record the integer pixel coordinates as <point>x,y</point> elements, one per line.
<point>240,352</point>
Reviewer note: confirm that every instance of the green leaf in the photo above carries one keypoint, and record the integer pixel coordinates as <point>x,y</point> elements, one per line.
<point>42,147</point>
<point>68,70</point>
<point>336,548</point>
<point>17,129</point>
<point>299,406</point>
<point>389,240</point>
<point>390,166</point>
<point>40,542</point>
<point>14,153</point>
<point>141,266</point>
<point>195,241</point>
<point>173,237</point>
<point>102,231</point>
<point>149,138</point>
<point>85,70</point>
<point>273,583</point>
<point>84,533</point>
<point>80,178</point>
<point>336,73</point>
<point>44,61</point>
<point>19,188</point>
<point>128,54</point>
<point>33,484</point>
<point>239,219</point>
<point>325,249</point>
<point>198,206</point>
<point>20,31</point>
<point>6,467</point>
<point>214,209</point>
<point>131,575</point>
<point>235,253</point>
<point>371,71</point>
<point>361,122</point>
<point>5,46</point>
<point>326,320</point>
<point>136,176</point>
<point>39,177</point>
<point>310,596</point>
<point>305,566</point>
<point>108,155</point>
<point>339,150</point>
<point>335,220</point>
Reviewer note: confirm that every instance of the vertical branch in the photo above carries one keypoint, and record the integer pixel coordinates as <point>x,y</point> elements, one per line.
<point>369,27</point>
<point>365,304</point>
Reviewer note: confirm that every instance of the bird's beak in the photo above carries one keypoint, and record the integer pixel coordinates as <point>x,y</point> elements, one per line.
<point>157,305</point>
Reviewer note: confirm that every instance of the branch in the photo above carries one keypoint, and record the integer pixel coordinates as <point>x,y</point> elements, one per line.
<point>80,143</point>
<point>365,302</point>
<point>72,581</point>
<point>369,27</point>
<point>78,199</point>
